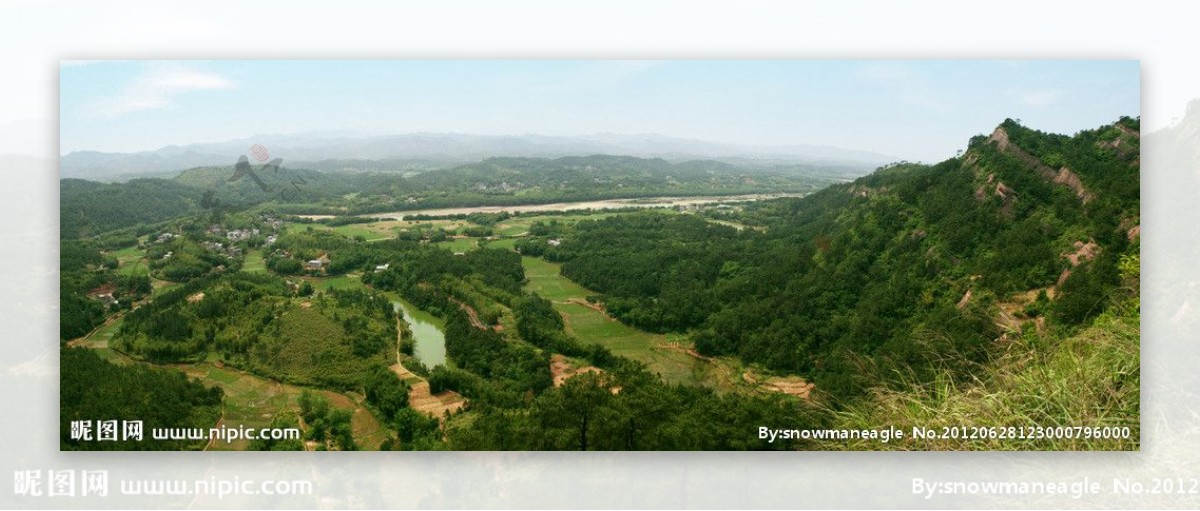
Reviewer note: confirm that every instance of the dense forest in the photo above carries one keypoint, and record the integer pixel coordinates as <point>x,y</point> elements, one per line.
<point>94,389</point>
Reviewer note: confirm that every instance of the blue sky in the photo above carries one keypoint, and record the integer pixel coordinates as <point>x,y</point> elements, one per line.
<point>916,110</point>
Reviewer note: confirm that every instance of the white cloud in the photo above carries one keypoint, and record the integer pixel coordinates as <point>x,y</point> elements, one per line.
<point>159,88</point>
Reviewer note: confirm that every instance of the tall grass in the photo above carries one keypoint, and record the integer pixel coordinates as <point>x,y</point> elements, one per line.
<point>1088,378</point>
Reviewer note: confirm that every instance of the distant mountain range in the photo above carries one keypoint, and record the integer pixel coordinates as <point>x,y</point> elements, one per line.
<point>335,151</point>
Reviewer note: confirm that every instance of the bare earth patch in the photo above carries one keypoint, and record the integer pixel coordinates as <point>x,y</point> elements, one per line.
<point>434,405</point>
<point>473,316</point>
<point>674,346</point>
<point>1083,252</point>
<point>1062,176</point>
<point>422,400</point>
<point>792,386</point>
<point>594,306</point>
<point>1012,316</point>
<point>561,369</point>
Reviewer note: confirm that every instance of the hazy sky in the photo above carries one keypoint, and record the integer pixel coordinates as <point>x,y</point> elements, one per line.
<point>917,110</point>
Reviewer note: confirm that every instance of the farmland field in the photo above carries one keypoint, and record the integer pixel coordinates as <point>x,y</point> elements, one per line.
<point>348,281</point>
<point>370,232</point>
<point>593,326</point>
<point>459,244</point>
<point>501,244</point>
<point>545,279</point>
<point>521,224</point>
<point>250,401</point>
<point>131,261</point>
<point>254,262</point>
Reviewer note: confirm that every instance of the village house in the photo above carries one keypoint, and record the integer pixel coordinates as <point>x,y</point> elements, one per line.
<point>107,299</point>
<point>318,263</point>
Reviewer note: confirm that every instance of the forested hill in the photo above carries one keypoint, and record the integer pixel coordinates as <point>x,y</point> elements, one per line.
<point>90,208</point>
<point>513,180</point>
<point>913,266</point>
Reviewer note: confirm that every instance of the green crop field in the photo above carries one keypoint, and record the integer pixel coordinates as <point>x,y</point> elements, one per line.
<point>458,244</point>
<point>593,326</point>
<point>503,244</point>
<point>128,253</point>
<point>133,267</point>
<point>347,281</point>
<point>448,225</point>
<point>521,224</point>
<point>545,280</point>
<point>254,262</point>
<point>131,261</point>
<point>351,231</point>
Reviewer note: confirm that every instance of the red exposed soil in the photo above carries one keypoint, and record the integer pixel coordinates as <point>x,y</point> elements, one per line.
<point>1083,252</point>
<point>594,306</point>
<point>473,316</point>
<point>561,369</point>
<point>1062,176</point>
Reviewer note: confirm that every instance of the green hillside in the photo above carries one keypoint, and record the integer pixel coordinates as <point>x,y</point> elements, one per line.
<point>903,267</point>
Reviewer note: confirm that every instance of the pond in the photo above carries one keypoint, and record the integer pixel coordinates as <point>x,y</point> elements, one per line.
<point>428,337</point>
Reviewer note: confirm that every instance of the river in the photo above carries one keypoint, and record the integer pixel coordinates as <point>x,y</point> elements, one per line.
<point>647,202</point>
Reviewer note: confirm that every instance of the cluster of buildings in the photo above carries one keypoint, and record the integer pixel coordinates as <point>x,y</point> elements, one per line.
<point>241,234</point>
<point>231,251</point>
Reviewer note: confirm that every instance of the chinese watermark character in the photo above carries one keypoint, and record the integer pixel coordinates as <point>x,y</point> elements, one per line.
<point>106,431</point>
<point>62,483</point>
<point>132,430</point>
<point>81,430</point>
<point>95,482</point>
<point>27,482</point>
